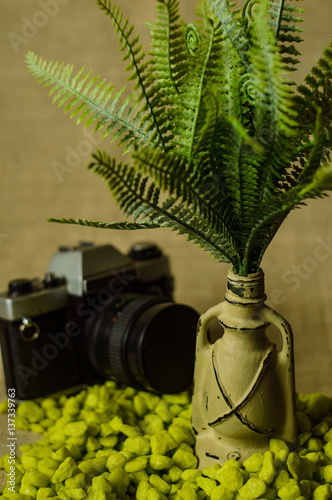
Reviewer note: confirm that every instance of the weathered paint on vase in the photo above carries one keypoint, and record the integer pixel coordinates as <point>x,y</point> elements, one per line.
<point>244,390</point>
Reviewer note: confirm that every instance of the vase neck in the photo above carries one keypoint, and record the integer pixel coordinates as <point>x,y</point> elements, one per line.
<point>245,289</point>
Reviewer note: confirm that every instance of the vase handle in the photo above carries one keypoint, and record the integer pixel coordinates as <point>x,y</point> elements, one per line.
<point>202,340</point>
<point>285,368</point>
<point>202,362</point>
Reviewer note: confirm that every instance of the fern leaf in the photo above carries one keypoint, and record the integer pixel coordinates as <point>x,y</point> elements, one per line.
<point>316,92</point>
<point>168,56</point>
<point>321,182</point>
<point>137,65</point>
<point>200,193</point>
<point>232,27</point>
<point>274,116</point>
<point>273,213</point>
<point>167,68</point>
<point>75,93</point>
<point>284,20</point>
<point>135,197</point>
<point>200,88</point>
<point>105,225</point>
<point>316,152</point>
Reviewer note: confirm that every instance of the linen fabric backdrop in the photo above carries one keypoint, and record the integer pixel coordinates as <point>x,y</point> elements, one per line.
<point>36,137</point>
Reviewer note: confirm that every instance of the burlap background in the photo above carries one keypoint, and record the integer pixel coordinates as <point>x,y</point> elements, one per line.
<point>35,134</point>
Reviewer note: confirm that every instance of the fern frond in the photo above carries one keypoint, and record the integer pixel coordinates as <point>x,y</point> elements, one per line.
<point>316,92</point>
<point>187,111</point>
<point>274,117</point>
<point>105,225</point>
<point>137,66</point>
<point>201,76</point>
<point>138,197</point>
<point>284,20</point>
<point>209,133</point>
<point>231,24</point>
<point>243,179</point>
<point>91,100</point>
<point>273,213</point>
<point>196,191</point>
<point>214,122</point>
<point>320,183</point>
<point>168,56</point>
<point>314,158</point>
<point>167,68</point>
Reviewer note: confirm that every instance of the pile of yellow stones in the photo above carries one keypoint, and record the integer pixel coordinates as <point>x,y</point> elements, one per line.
<point>110,442</point>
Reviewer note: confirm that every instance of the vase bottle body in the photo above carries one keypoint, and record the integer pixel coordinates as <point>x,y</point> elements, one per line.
<point>244,391</point>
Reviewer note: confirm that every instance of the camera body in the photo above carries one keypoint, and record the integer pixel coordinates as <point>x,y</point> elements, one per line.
<point>97,314</point>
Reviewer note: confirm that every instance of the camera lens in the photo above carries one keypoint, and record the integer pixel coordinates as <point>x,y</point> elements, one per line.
<point>146,342</point>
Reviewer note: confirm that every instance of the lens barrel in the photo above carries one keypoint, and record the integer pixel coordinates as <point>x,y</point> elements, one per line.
<point>146,342</point>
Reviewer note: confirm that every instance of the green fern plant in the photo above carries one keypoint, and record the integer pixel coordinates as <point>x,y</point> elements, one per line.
<point>214,120</point>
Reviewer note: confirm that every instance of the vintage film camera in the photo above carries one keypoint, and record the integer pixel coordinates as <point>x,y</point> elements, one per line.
<point>98,314</point>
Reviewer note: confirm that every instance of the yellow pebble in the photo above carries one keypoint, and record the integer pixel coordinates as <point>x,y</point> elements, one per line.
<point>184,459</point>
<point>119,480</point>
<point>152,424</point>
<point>158,483</point>
<point>191,475</point>
<point>211,471</point>
<point>175,473</point>
<point>328,473</point>
<point>281,479</point>
<point>45,493</point>
<point>78,428</point>
<point>254,463</point>
<point>163,411</point>
<point>65,470</point>
<point>160,462</point>
<point>93,465</point>
<point>76,481</point>
<point>186,493</point>
<point>136,465</point>
<point>61,454</point>
<point>221,493</point>
<point>31,410</point>
<point>230,477</point>
<point>48,466</point>
<point>28,489</point>
<point>36,478</point>
<point>102,484</point>
<point>269,469</point>
<point>206,484</point>
<point>162,442</point>
<point>322,492</point>
<point>290,491</point>
<point>138,445</point>
<point>142,490</point>
<point>328,450</point>
<point>29,462</point>
<point>253,488</point>
<point>136,477</point>
<point>115,461</point>
<point>75,493</point>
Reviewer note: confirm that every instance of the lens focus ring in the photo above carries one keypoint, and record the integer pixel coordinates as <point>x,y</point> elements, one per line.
<point>118,339</point>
